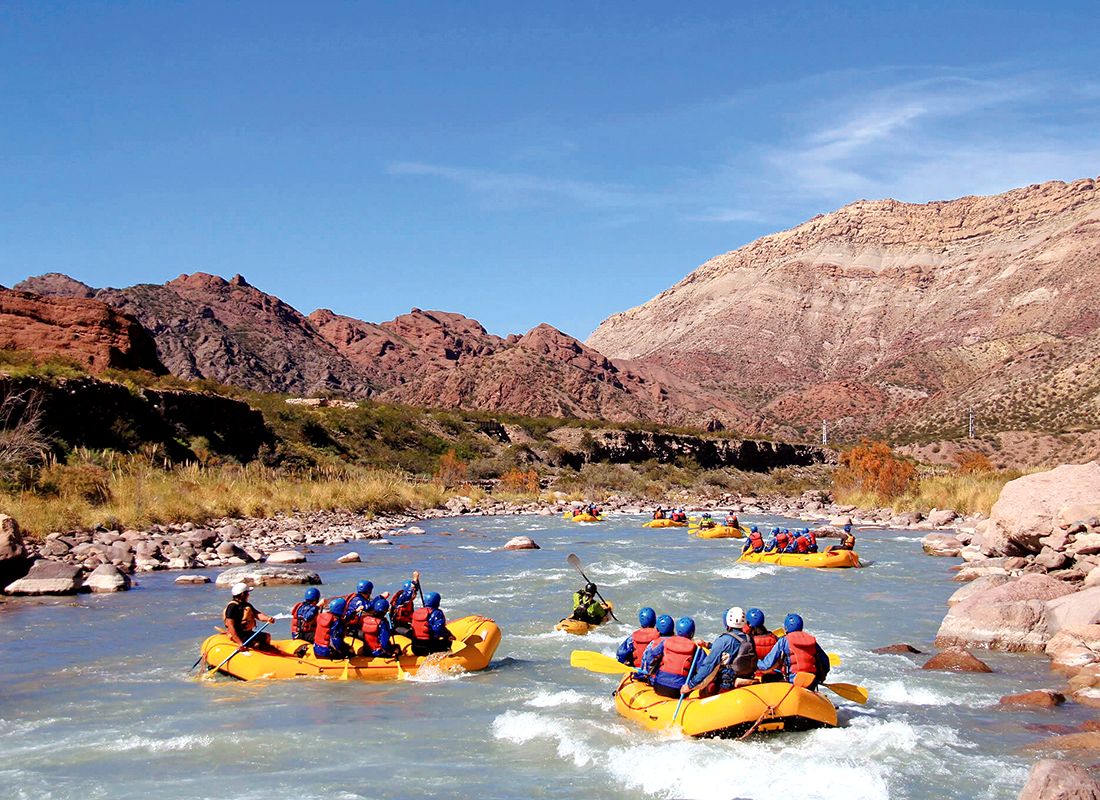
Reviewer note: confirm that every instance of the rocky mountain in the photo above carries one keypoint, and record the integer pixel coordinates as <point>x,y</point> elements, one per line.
<point>886,315</point>
<point>86,331</point>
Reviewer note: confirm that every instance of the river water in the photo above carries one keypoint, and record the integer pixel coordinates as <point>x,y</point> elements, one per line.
<point>96,702</point>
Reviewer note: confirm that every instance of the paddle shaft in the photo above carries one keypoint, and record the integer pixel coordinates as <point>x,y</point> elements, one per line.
<point>691,671</point>
<point>244,644</point>
<point>576,562</point>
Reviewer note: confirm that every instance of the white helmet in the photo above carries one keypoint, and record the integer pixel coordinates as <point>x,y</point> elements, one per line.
<point>735,617</point>
<point>238,589</point>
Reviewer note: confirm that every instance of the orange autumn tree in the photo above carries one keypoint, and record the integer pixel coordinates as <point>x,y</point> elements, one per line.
<point>516,481</point>
<point>872,468</point>
<point>452,469</point>
<point>972,463</point>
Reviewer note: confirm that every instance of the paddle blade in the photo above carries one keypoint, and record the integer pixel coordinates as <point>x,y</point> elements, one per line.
<point>834,659</point>
<point>573,560</point>
<point>803,679</point>
<point>597,662</point>
<point>849,691</point>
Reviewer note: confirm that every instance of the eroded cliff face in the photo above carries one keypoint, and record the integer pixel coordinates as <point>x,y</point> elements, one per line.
<point>884,311</point>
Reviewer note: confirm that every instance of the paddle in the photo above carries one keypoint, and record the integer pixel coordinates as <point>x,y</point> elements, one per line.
<point>597,662</point>
<point>576,562</point>
<point>243,645</point>
<point>849,691</point>
<point>691,670</point>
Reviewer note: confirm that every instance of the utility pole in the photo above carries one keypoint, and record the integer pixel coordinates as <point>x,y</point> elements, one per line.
<point>970,425</point>
<point>824,434</point>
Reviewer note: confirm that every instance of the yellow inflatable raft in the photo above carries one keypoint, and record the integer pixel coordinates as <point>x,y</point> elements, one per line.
<point>718,532</point>
<point>664,523</point>
<point>581,517</point>
<point>762,707</point>
<point>479,636</point>
<point>831,559</point>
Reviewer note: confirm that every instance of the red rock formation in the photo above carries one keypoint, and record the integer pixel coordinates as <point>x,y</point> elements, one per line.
<point>86,331</point>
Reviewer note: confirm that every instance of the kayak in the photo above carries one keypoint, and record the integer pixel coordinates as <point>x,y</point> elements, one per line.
<point>778,706</point>
<point>480,635</point>
<point>718,532</point>
<point>664,523</point>
<point>578,628</point>
<point>832,559</point>
<point>581,517</point>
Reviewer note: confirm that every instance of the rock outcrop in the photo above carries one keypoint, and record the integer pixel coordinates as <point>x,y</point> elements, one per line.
<point>1011,617</point>
<point>88,332</point>
<point>48,577</point>
<point>1060,780</point>
<point>14,558</point>
<point>1034,506</point>
<point>264,575</point>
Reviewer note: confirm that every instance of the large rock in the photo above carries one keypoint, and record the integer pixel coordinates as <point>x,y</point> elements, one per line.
<point>349,558</point>
<point>48,577</point>
<point>1075,646</point>
<point>521,543</point>
<point>1039,698</point>
<point>286,557</point>
<point>231,550</point>
<point>941,544</point>
<point>1029,507</point>
<point>1060,780</point>
<point>939,518</point>
<point>267,575</point>
<point>977,586</point>
<point>1009,617</point>
<point>14,560</point>
<point>107,578</point>
<point>956,659</point>
<point>1073,610</point>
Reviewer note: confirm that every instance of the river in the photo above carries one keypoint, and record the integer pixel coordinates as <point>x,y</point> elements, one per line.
<point>96,701</point>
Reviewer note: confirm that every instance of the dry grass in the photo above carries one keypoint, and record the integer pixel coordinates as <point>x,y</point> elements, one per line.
<point>965,493</point>
<point>141,495</point>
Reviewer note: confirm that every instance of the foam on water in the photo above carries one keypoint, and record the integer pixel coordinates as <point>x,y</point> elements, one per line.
<point>152,745</point>
<point>903,693</point>
<point>572,739</point>
<point>569,697</point>
<point>746,571</point>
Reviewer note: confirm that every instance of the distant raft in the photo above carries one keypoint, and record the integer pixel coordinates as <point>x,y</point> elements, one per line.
<point>664,523</point>
<point>762,707</point>
<point>833,559</point>
<point>718,532</point>
<point>476,640</point>
<point>581,517</point>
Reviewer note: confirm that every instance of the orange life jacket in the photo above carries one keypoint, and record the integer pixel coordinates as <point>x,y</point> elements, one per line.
<point>642,639</point>
<point>420,623</point>
<point>802,544</point>
<point>764,642</point>
<point>370,627</point>
<point>756,540</point>
<point>323,635</point>
<point>848,541</point>
<point>803,652</point>
<point>782,540</point>
<point>677,657</point>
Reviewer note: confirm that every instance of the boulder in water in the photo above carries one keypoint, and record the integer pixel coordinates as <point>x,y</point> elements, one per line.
<point>1010,617</point>
<point>896,650</point>
<point>1075,646</point>
<point>267,575</point>
<point>941,544</point>
<point>349,558</point>
<point>107,578</point>
<point>195,580</point>
<point>286,557</point>
<point>1042,698</point>
<point>521,543</point>
<point>1060,780</point>
<point>48,577</point>
<point>955,659</point>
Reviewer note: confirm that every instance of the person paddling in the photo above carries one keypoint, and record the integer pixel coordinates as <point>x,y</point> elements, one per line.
<point>377,639</point>
<point>762,638</point>
<point>328,639</point>
<point>401,606</point>
<point>633,647</point>
<point>668,662</point>
<point>240,618</point>
<point>754,541</point>
<point>731,662</point>
<point>797,652</point>
<point>429,627</point>
<point>586,608</point>
<point>303,617</point>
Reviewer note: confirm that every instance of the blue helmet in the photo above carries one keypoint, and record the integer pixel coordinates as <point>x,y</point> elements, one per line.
<point>792,622</point>
<point>848,528</point>
<point>685,626</point>
<point>753,529</point>
<point>364,587</point>
<point>647,617</point>
<point>379,605</point>
<point>754,617</point>
<point>665,625</point>
<point>408,586</point>
<point>337,606</point>
<point>313,594</point>
<point>775,531</point>
<point>431,600</point>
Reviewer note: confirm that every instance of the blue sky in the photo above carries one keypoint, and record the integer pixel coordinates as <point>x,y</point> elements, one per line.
<point>515,162</point>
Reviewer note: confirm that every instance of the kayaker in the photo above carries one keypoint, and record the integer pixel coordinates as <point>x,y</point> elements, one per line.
<point>586,608</point>
<point>796,652</point>
<point>669,661</point>
<point>633,647</point>
<point>328,640</point>
<point>429,627</point>
<point>754,541</point>
<point>401,606</point>
<point>731,520</point>
<point>240,618</point>
<point>762,639</point>
<point>303,617</point>
<point>376,630</point>
<point>731,662</point>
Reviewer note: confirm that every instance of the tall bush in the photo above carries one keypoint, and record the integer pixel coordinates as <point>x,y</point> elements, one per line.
<point>872,468</point>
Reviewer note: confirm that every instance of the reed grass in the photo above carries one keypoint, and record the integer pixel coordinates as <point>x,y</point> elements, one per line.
<point>964,493</point>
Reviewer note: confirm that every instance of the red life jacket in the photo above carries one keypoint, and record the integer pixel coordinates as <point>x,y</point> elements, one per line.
<point>782,540</point>
<point>642,639</point>
<point>323,636</point>
<point>812,537</point>
<point>420,623</point>
<point>298,625</point>
<point>802,544</point>
<point>678,654</point>
<point>803,650</point>
<point>403,614</point>
<point>756,540</point>
<point>370,627</point>
<point>764,643</point>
